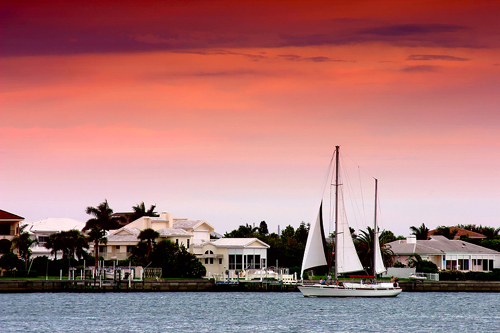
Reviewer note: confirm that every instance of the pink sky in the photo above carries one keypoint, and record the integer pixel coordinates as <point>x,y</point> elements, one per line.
<point>230,112</point>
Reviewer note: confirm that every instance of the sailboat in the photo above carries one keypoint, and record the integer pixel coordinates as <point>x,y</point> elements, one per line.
<point>346,259</point>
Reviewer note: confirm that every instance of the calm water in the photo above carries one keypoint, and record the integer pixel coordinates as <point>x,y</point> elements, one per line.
<point>247,312</point>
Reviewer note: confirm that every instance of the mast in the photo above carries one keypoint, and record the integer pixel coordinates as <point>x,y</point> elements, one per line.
<point>335,268</point>
<point>375,233</point>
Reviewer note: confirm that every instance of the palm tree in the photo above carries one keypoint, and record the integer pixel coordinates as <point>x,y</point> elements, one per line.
<point>74,243</point>
<point>364,246</point>
<point>22,243</point>
<point>140,211</point>
<point>414,260</point>
<point>489,232</point>
<point>149,235</point>
<point>102,217</point>
<point>70,242</point>
<point>445,231</point>
<point>97,235</point>
<point>54,243</point>
<point>421,232</point>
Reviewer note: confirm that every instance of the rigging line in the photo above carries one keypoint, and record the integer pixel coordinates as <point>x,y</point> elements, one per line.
<point>361,190</point>
<point>358,219</point>
<point>365,171</point>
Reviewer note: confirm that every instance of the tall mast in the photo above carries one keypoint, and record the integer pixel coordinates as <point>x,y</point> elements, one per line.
<point>335,271</point>
<point>375,233</point>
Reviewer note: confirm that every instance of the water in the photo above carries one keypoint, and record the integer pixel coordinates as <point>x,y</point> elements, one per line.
<point>247,312</point>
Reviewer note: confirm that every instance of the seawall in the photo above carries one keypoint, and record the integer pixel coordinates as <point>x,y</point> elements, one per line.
<point>26,286</point>
<point>19,286</point>
<point>450,286</point>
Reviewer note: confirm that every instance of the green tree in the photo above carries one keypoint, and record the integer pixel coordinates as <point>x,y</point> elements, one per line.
<point>176,261</point>
<point>9,261</point>
<point>421,232</point>
<point>139,255</point>
<point>140,211</point>
<point>98,236</point>
<point>289,232</point>
<point>490,233</point>
<point>301,232</point>
<point>244,231</point>
<point>263,231</point>
<point>55,244</point>
<point>75,243</point>
<point>149,235</point>
<point>70,242</point>
<point>445,231</point>
<point>102,217</point>
<point>23,242</point>
<point>420,265</point>
<point>365,245</point>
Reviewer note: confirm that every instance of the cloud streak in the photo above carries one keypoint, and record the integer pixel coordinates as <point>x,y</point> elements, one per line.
<point>435,57</point>
<point>53,27</point>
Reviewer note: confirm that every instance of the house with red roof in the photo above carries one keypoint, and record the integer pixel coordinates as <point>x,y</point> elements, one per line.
<point>9,228</point>
<point>458,233</point>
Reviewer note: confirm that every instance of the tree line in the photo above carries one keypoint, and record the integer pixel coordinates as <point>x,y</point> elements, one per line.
<point>288,248</point>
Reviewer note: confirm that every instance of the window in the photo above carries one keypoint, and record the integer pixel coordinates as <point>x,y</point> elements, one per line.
<point>177,242</point>
<point>117,247</point>
<point>253,261</point>
<point>188,243</point>
<point>235,261</point>
<point>207,260</point>
<point>4,229</point>
<point>103,249</point>
<point>220,261</point>
<point>130,248</point>
<point>43,239</point>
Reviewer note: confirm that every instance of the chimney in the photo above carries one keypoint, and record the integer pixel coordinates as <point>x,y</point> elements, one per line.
<point>167,217</point>
<point>412,239</point>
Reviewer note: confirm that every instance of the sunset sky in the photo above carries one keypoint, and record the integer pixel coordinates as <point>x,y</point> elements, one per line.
<point>229,111</point>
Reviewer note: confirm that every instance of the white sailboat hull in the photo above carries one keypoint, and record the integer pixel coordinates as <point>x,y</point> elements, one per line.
<point>350,290</point>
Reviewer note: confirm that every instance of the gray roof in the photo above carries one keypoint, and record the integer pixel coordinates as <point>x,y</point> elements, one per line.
<point>189,224</point>
<point>438,245</point>
<point>132,234</point>
<point>132,237</point>
<point>167,232</point>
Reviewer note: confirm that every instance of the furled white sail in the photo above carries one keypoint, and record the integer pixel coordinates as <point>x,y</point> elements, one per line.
<point>347,257</point>
<point>379,263</point>
<point>314,254</point>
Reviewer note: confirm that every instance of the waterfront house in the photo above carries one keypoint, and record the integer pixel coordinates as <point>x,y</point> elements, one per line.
<point>447,254</point>
<point>43,228</point>
<point>217,255</point>
<point>9,228</point>
<point>178,230</point>
<point>232,254</point>
<point>459,232</point>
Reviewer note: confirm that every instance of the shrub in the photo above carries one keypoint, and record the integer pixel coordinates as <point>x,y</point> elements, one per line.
<point>451,276</point>
<point>398,264</point>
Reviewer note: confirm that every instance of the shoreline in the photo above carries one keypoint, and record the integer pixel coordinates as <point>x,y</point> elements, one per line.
<point>79,286</point>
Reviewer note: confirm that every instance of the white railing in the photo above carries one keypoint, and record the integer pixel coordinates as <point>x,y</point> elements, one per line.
<point>269,274</point>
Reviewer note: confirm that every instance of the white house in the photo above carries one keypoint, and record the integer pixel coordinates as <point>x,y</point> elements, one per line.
<point>217,256</point>
<point>447,254</point>
<point>42,229</point>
